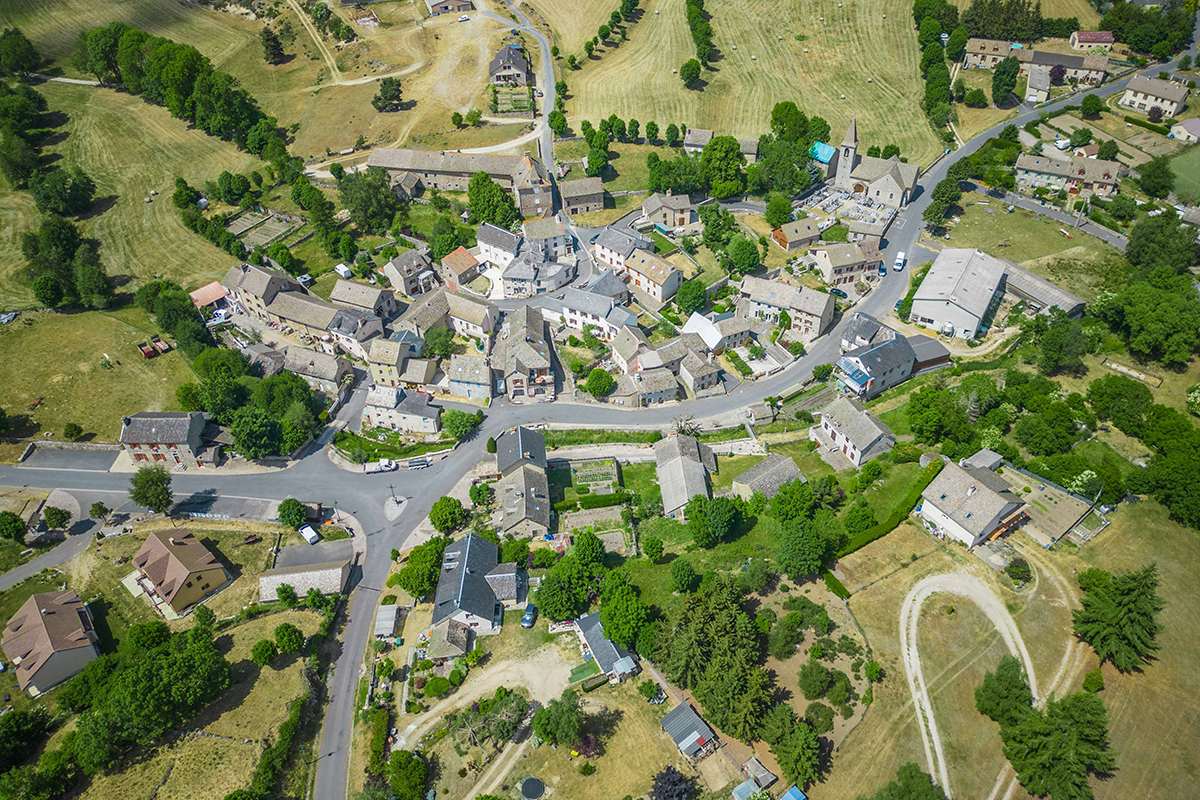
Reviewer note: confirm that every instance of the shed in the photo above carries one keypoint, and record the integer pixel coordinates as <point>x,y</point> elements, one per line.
<point>385,622</point>
<point>689,732</point>
<point>761,776</point>
<point>324,566</point>
<point>794,793</point>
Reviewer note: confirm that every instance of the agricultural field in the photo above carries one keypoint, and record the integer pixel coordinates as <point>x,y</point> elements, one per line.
<point>1187,172</point>
<point>59,358</point>
<point>1081,264</point>
<point>768,66</point>
<point>626,162</point>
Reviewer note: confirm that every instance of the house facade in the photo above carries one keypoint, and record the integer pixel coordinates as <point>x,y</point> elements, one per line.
<point>439,7</point>
<point>1079,175</point>
<point>655,276</point>
<point>463,592</point>
<point>1088,41</point>
<point>720,332</point>
<point>170,438</point>
<point>669,211</point>
<point>50,639</point>
<point>398,410</point>
<point>695,140</point>
<point>324,566</point>
<point>411,272</point>
<point>524,354</point>
<point>987,53</point>
<point>811,312</point>
<point>582,196</point>
<point>470,376</point>
<point>613,247</point>
<point>508,67</point>
<point>523,176</point>
<point>175,569</point>
<point>845,426</point>
<point>496,245</point>
<point>842,264</point>
<point>873,369</point>
<point>459,268</point>
<point>1145,94</point>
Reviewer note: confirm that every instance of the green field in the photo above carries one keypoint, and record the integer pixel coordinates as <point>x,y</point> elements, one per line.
<point>57,357</point>
<point>853,43</point>
<point>626,162</point>
<point>1187,172</point>
<point>128,147</point>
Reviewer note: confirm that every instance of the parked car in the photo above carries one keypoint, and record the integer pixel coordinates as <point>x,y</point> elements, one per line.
<point>382,465</point>
<point>838,293</point>
<point>530,616</point>
<point>539,93</point>
<point>882,271</point>
<point>901,260</point>
<point>464,18</point>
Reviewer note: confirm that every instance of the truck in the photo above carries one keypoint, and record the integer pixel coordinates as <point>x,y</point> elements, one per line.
<point>382,465</point>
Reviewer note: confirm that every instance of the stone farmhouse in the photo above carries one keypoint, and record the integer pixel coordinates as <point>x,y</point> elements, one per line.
<point>171,438</point>
<point>324,566</point>
<point>363,297</point>
<point>411,272</point>
<point>439,7</point>
<point>522,355</point>
<point>811,311</point>
<point>51,638</point>
<point>844,426</point>
<point>845,264</point>
<point>469,316</point>
<point>459,268</point>
<point>653,275</point>
<point>613,246</point>
<point>470,376</point>
<point>465,591</point>
<point>885,180</point>
<point>323,372</point>
<point>1079,175</point>
<point>523,490</point>
<point>767,476</point>
<point>683,466</point>
<point>399,410</point>
<point>1144,94</point>
<point>695,140</point>
<point>508,67</point>
<point>669,211</point>
<point>523,176</point>
<point>530,274</point>
<point>582,196</point>
<point>1090,40</point>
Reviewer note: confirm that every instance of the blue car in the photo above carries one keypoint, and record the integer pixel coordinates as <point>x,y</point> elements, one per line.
<point>838,293</point>
<point>530,616</point>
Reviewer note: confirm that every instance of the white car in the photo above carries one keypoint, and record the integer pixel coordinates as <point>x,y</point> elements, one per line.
<point>464,18</point>
<point>898,264</point>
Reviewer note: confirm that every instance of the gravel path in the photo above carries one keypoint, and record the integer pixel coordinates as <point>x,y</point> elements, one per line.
<point>975,590</point>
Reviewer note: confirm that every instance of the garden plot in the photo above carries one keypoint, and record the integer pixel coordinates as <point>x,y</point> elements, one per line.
<point>245,222</point>
<point>268,232</point>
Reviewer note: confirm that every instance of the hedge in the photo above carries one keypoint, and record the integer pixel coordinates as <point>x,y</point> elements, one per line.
<point>603,500</point>
<point>1150,126</point>
<point>834,585</point>
<point>274,758</point>
<point>882,529</point>
<point>566,505</point>
<point>595,682</point>
<point>376,760</point>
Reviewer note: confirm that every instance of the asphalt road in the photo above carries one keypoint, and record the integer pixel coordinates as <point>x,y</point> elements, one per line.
<point>314,477</point>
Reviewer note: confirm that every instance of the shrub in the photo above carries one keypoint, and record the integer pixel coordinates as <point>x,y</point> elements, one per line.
<point>1093,681</point>
<point>1150,126</point>
<point>376,760</point>
<point>834,585</point>
<point>603,500</point>
<point>819,716</point>
<point>587,768</point>
<point>436,686</point>
<point>457,677</point>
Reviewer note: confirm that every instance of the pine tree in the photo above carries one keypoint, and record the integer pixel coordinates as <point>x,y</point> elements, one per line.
<point>1120,622</point>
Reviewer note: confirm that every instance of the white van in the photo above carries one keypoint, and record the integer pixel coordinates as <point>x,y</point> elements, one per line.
<point>310,535</point>
<point>901,258</point>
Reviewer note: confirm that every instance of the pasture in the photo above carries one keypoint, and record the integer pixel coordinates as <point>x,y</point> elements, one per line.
<point>855,52</point>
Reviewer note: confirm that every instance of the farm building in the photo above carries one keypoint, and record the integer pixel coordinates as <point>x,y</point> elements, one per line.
<point>523,176</point>
<point>794,235</point>
<point>767,476</point>
<point>582,196</point>
<point>324,566</point>
<point>958,291</point>
<point>438,7</point>
<point>691,735</point>
<point>1038,292</point>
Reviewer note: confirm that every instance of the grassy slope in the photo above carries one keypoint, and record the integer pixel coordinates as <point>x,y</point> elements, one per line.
<point>57,357</point>
<point>635,79</point>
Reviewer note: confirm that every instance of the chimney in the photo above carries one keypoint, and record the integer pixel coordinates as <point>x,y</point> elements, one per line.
<point>126,420</point>
<point>171,539</point>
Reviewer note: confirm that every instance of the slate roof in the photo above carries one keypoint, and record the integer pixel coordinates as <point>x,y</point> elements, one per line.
<point>1091,170</point>
<point>168,557</point>
<point>970,496</point>
<point>267,358</point>
<point>526,347</point>
<point>584,187</point>
<point>508,57</point>
<point>866,432</point>
<point>967,278</point>
<point>460,306</point>
<point>675,202</point>
<point>769,474</point>
<point>1047,294</point>
<point>697,136</point>
<point>462,583</point>
<point>427,311</point>
<point>628,341</point>
<point>608,284</point>
<point>881,358</point>
<point>161,427</point>
<point>984,459</point>
<point>799,229</point>
<point>655,380</point>
<point>606,653</point>
<point>505,580</point>
<point>256,280</point>
<point>1155,87</point>
<point>696,366</point>
<point>862,329</point>
<point>524,494</point>
<point>597,305</point>
<point>926,348</point>
<point>622,242</point>
<point>47,623</point>
<point>546,228</point>
<point>520,445</point>
<point>449,640</point>
<point>656,269</point>
<point>783,295</point>
<point>418,370</point>
<point>313,363</point>
<point>870,168</point>
<point>359,295</point>
<point>843,255</point>
<point>1094,37</point>
<point>470,369</point>
<point>412,260</point>
<point>303,309</point>
<point>388,352</point>
<point>1039,78</point>
<point>683,464</point>
<point>687,729</point>
<point>515,167</point>
<point>497,237</point>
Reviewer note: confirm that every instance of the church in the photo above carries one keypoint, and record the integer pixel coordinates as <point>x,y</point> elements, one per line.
<point>885,180</point>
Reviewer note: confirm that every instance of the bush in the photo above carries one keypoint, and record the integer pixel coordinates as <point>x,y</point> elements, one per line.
<point>587,768</point>
<point>457,677</point>
<point>1093,681</point>
<point>602,500</point>
<point>436,686</point>
<point>379,731</point>
<point>819,716</point>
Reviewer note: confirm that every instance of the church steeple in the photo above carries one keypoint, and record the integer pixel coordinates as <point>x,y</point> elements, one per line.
<point>851,139</point>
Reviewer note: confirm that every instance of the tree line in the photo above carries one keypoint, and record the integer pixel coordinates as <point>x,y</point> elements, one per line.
<point>1015,21</point>
<point>603,36</point>
<point>1158,31</point>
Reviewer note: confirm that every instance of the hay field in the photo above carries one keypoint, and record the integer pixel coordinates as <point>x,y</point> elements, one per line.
<point>853,44</point>
<point>1057,8</point>
<point>573,23</point>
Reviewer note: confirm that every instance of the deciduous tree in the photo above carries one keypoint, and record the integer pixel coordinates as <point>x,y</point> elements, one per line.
<point>151,487</point>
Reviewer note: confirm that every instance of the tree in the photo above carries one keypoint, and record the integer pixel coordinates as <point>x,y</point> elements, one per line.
<point>572,62</point>
<point>672,135</point>
<point>1157,177</point>
<point>48,291</point>
<point>557,121</point>
<point>17,53</point>
<point>690,296</point>
<point>288,638</point>
<point>439,342</point>
<point>623,614</point>
<point>448,514</point>
<point>292,513</point>
<point>910,784</point>
<point>722,162</point>
<point>1093,681</point>
<point>690,71</point>
<point>272,47</point>
<point>788,122</point>
<point>481,494</point>
<point>458,424</point>
<point>744,257</point>
<point>63,191</point>
<point>671,784</point>
<point>873,671</point>
<point>389,97</point>
<point>1004,79</point>
<point>599,383</point>
<point>263,652</point>
<point>489,202</point>
<point>407,774</point>
<point>779,211</point>
<point>588,549</point>
<point>1091,106</point>
<point>56,518</point>
<point>1054,751</point>
<point>255,433</point>
<point>929,32</point>
<point>1004,694</point>
<point>651,131</point>
<point>151,487</point>
<point>683,576</point>
<point>12,527</point>
<point>419,577</point>
<point>652,548</point>
<point>589,48</point>
<point>1120,621</point>
<point>560,722</point>
<point>956,45</point>
<point>814,679</point>
<point>99,511</point>
<point>1062,345</point>
<point>369,198</point>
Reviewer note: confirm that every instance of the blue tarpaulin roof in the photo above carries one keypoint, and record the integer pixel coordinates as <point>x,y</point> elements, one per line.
<point>822,152</point>
<point>794,793</point>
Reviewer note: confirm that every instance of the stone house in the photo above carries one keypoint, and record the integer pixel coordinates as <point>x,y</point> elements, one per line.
<point>810,311</point>
<point>549,237</point>
<point>1090,40</point>
<point>846,427</point>
<point>695,140</point>
<point>325,373</point>
<point>968,503</point>
<point>170,438</point>
<point>411,272</point>
<point>655,276</point>
<point>1079,175</point>
<point>683,465</point>
<point>523,354</point>
<point>459,268</point>
<point>669,211</point>
<point>524,503</point>
<point>767,476</point>
<point>439,7</point>
<point>613,246</point>
<point>523,176</point>
<point>398,410</point>
<point>582,196</point>
<point>842,264</point>
<point>364,297</point>
<point>496,245</point>
<point>324,566</point>
<point>470,376</point>
<point>508,67</point>
<point>795,235</point>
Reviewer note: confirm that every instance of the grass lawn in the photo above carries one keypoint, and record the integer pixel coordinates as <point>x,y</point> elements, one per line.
<point>1187,172</point>
<point>572,436</point>
<point>393,448</point>
<point>57,357</point>
<point>730,467</point>
<point>768,66</point>
<point>1082,265</point>
<point>897,420</point>
<point>614,209</point>
<point>710,270</point>
<point>642,480</point>
<point>633,745</point>
<point>807,459</point>
<point>974,121</point>
<point>626,162</point>
<point>128,147</point>
<point>776,257</point>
